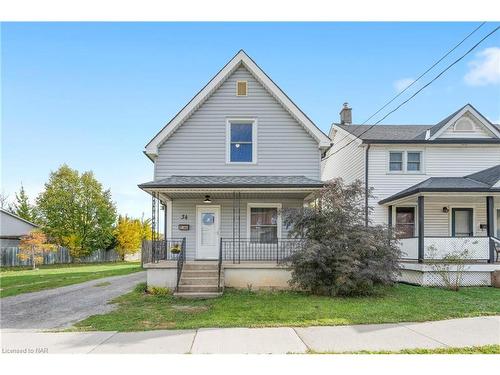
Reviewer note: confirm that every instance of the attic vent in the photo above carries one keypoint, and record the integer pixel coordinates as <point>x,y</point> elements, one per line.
<point>241,88</point>
<point>463,124</point>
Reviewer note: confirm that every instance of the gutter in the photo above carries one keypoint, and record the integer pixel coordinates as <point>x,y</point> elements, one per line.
<point>366,184</point>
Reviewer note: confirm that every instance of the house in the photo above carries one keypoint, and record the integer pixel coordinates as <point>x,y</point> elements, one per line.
<point>225,165</point>
<point>12,228</point>
<point>437,185</point>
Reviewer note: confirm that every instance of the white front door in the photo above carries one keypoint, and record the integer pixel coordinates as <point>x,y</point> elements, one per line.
<point>207,232</point>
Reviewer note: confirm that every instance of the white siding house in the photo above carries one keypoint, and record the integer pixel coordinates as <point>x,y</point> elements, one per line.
<point>437,184</point>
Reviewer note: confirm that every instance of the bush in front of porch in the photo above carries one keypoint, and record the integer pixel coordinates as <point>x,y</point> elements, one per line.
<point>340,254</point>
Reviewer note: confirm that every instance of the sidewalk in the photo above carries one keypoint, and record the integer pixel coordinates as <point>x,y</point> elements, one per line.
<point>439,334</point>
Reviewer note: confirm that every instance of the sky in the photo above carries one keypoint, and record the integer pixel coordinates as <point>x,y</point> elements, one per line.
<point>91,95</point>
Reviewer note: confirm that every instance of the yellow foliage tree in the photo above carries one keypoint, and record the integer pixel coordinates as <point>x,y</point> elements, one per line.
<point>129,234</point>
<point>32,247</point>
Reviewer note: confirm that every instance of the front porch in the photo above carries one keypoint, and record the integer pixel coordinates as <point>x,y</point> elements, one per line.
<point>220,223</point>
<point>433,226</point>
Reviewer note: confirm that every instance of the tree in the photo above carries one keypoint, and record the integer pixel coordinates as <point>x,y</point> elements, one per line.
<point>76,211</point>
<point>339,255</point>
<point>146,230</point>
<point>128,234</point>
<point>33,245</point>
<point>4,199</point>
<point>23,208</point>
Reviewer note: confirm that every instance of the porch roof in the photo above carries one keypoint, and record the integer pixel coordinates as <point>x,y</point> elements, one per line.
<point>233,182</point>
<point>485,181</point>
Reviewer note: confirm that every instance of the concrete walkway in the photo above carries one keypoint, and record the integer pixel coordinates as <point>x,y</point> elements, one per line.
<point>440,334</point>
<point>64,306</point>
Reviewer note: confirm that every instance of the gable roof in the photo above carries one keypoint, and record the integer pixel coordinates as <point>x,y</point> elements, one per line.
<point>441,126</point>
<point>241,58</point>
<point>482,181</point>
<point>419,133</point>
<point>18,217</point>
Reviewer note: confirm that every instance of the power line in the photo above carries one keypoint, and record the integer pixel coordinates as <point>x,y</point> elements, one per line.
<point>417,92</point>
<point>419,77</point>
<point>424,73</point>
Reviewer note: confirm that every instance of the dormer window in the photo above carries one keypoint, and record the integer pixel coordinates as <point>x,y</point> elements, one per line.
<point>464,124</point>
<point>241,88</point>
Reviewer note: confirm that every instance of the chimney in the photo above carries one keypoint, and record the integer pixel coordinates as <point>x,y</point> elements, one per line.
<point>346,114</point>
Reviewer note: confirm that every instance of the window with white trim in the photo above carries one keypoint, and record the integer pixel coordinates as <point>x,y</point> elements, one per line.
<point>264,223</point>
<point>241,146</point>
<point>396,161</point>
<point>413,161</point>
<point>405,162</point>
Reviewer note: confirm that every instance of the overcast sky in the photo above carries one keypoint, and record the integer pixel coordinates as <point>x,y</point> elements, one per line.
<point>93,94</point>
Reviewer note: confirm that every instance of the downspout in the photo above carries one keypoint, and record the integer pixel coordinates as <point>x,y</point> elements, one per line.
<point>367,189</point>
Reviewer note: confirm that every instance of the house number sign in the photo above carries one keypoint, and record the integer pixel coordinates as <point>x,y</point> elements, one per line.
<point>184,217</point>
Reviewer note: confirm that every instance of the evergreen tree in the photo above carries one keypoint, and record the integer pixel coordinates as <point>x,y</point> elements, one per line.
<point>22,206</point>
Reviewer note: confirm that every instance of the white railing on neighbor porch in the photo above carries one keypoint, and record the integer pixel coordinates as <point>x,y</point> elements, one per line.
<point>478,248</point>
<point>438,247</point>
<point>409,248</point>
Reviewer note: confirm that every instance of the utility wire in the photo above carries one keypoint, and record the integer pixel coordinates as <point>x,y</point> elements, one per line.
<point>417,92</point>
<point>424,73</point>
<point>419,77</point>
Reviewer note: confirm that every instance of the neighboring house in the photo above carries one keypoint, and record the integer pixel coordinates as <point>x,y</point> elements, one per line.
<point>437,185</point>
<point>224,167</point>
<point>12,228</point>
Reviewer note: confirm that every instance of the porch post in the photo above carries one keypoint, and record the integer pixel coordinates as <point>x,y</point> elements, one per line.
<point>421,224</point>
<point>389,217</point>
<point>490,227</point>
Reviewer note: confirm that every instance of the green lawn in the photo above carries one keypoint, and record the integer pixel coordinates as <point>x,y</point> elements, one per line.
<point>486,349</point>
<point>140,311</point>
<point>23,280</point>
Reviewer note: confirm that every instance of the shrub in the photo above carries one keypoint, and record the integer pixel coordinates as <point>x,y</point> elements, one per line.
<point>141,288</point>
<point>339,254</point>
<point>159,291</point>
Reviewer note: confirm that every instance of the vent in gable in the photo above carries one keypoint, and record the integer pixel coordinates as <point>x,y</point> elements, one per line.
<point>464,124</point>
<point>241,88</point>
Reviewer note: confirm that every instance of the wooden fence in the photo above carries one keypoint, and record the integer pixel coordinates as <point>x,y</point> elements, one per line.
<point>9,257</point>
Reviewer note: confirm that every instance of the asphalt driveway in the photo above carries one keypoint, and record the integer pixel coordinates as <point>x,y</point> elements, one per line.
<point>62,307</point>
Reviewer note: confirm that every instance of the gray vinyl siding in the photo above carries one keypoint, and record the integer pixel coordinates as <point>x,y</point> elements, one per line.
<point>198,146</point>
<point>188,207</point>
<point>11,226</point>
<point>346,159</point>
<point>439,161</point>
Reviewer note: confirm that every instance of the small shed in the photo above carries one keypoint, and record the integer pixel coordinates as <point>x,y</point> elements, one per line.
<point>12,227</point>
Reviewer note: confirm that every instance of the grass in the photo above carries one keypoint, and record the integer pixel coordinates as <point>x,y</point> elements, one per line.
<point>139,311</point>
<point>19,280</point>
<point>486,349</point>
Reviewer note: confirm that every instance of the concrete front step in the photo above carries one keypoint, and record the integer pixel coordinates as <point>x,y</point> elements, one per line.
<point>198,288</point>
<point>197,295</point>
<point>201,266</point>
<point>200,273</point>
<point>199,280</point>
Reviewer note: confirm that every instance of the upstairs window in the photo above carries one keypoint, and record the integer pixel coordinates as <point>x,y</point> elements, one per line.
<point>396,161</point>
<point>241,88</point>
<point>405,162</point>
<point>241,147</point>
<point>413,162</point>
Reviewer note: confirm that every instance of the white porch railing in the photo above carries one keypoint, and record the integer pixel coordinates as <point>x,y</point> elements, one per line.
<point>409,248</point>
<point>438,247</point>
